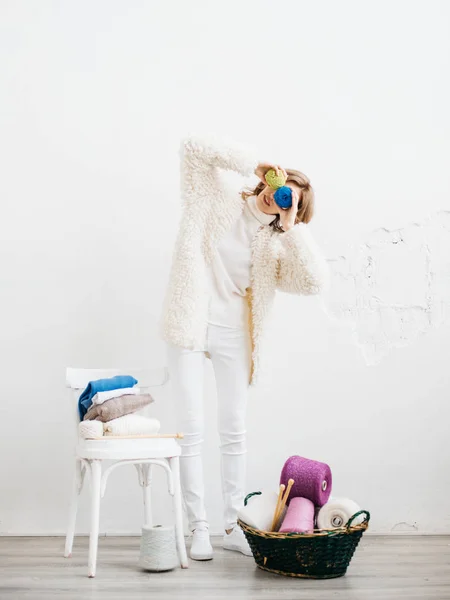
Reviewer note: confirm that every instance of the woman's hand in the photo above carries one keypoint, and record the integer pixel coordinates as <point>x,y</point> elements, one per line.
<point>262,169</point>
<point>287,216</point>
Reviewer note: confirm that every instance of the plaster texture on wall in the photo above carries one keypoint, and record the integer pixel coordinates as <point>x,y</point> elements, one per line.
<point>394,286</point>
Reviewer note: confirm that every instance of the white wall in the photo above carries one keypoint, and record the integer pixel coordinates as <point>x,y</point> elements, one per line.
<point>94,99</point>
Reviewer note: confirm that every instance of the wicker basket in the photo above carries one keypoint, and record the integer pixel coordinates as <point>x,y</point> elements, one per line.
<point>321,554</point>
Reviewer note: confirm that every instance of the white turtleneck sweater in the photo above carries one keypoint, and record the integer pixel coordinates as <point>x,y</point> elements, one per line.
<point>229,272</point>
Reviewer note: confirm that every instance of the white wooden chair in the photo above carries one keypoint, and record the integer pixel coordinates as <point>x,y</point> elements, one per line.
<point>143,453</point>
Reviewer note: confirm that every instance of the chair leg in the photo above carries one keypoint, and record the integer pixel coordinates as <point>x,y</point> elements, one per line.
<point>96,475</point>
<point>175,468</point>
<point>76,490</point>
<point>147,493</point>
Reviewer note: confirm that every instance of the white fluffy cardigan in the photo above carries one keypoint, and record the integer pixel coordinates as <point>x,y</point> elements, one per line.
<point>287,261</point>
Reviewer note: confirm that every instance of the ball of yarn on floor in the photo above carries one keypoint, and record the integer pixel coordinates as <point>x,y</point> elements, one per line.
<point>132,425</point>
<point>275,181</point>
<point>90,429</point>
<point>312,479</point>
<point>158,549</point>
<point>283,197</point>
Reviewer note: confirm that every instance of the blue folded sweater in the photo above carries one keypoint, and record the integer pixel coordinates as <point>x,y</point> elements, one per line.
<point>102,385</point>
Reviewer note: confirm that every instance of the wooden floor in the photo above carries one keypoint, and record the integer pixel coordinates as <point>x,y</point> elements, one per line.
<point>383,568</point>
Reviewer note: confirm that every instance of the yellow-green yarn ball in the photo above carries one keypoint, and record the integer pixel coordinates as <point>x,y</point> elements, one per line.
<point>275,181</point>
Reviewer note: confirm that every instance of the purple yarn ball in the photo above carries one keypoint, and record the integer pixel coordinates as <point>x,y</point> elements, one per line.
<point>283,197</point>
<point>312,479</point>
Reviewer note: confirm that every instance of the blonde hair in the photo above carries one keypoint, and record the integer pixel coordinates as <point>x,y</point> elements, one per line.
<point>306,203</point>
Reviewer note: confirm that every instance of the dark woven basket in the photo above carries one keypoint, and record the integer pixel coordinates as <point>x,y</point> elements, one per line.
<point>321,554</point>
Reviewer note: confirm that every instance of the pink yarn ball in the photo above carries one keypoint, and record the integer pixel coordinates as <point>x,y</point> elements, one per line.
<point>299,516</point>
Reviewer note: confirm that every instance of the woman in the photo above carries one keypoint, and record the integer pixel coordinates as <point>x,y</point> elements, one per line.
<point>233,251</point>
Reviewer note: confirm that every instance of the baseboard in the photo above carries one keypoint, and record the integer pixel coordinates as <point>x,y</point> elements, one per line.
<point>60,534</point>
<point>215,534</point>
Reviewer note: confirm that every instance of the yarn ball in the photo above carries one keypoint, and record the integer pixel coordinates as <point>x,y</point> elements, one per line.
<point>299,517</point>
<point>283,197</point>
<point>158,549</point>
<point>312,479</point>
<point>132,425</point>
<point>275,181</point>
<point>90,429</point>
<point>336,513</point>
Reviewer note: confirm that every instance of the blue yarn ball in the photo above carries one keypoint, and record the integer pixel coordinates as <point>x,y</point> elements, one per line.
<point>283,197</point>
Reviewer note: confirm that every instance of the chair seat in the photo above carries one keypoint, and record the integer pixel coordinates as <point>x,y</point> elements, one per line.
<point>127,449</point>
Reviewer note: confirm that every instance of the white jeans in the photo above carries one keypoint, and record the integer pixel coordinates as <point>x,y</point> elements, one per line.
<point>230,353</point>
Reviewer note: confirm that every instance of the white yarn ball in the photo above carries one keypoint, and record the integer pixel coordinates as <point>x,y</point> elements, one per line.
<point>90,429</point>
<point>336,513</point>
<point>158,549</point>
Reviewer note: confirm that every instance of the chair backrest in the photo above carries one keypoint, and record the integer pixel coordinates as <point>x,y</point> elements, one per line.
<point>77,380</point>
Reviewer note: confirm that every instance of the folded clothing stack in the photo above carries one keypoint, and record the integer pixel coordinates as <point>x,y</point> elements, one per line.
<point>119,382</point>
<point>111,402</point>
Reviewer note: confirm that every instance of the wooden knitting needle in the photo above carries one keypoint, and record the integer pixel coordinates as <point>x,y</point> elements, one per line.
<point>283,503</point>
<point>288,491</point>
<point>275,516</point>
<point>178,436</point>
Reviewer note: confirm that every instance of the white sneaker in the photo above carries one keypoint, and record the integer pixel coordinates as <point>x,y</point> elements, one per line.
<point>236,542</point>
<point>201,548</point>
